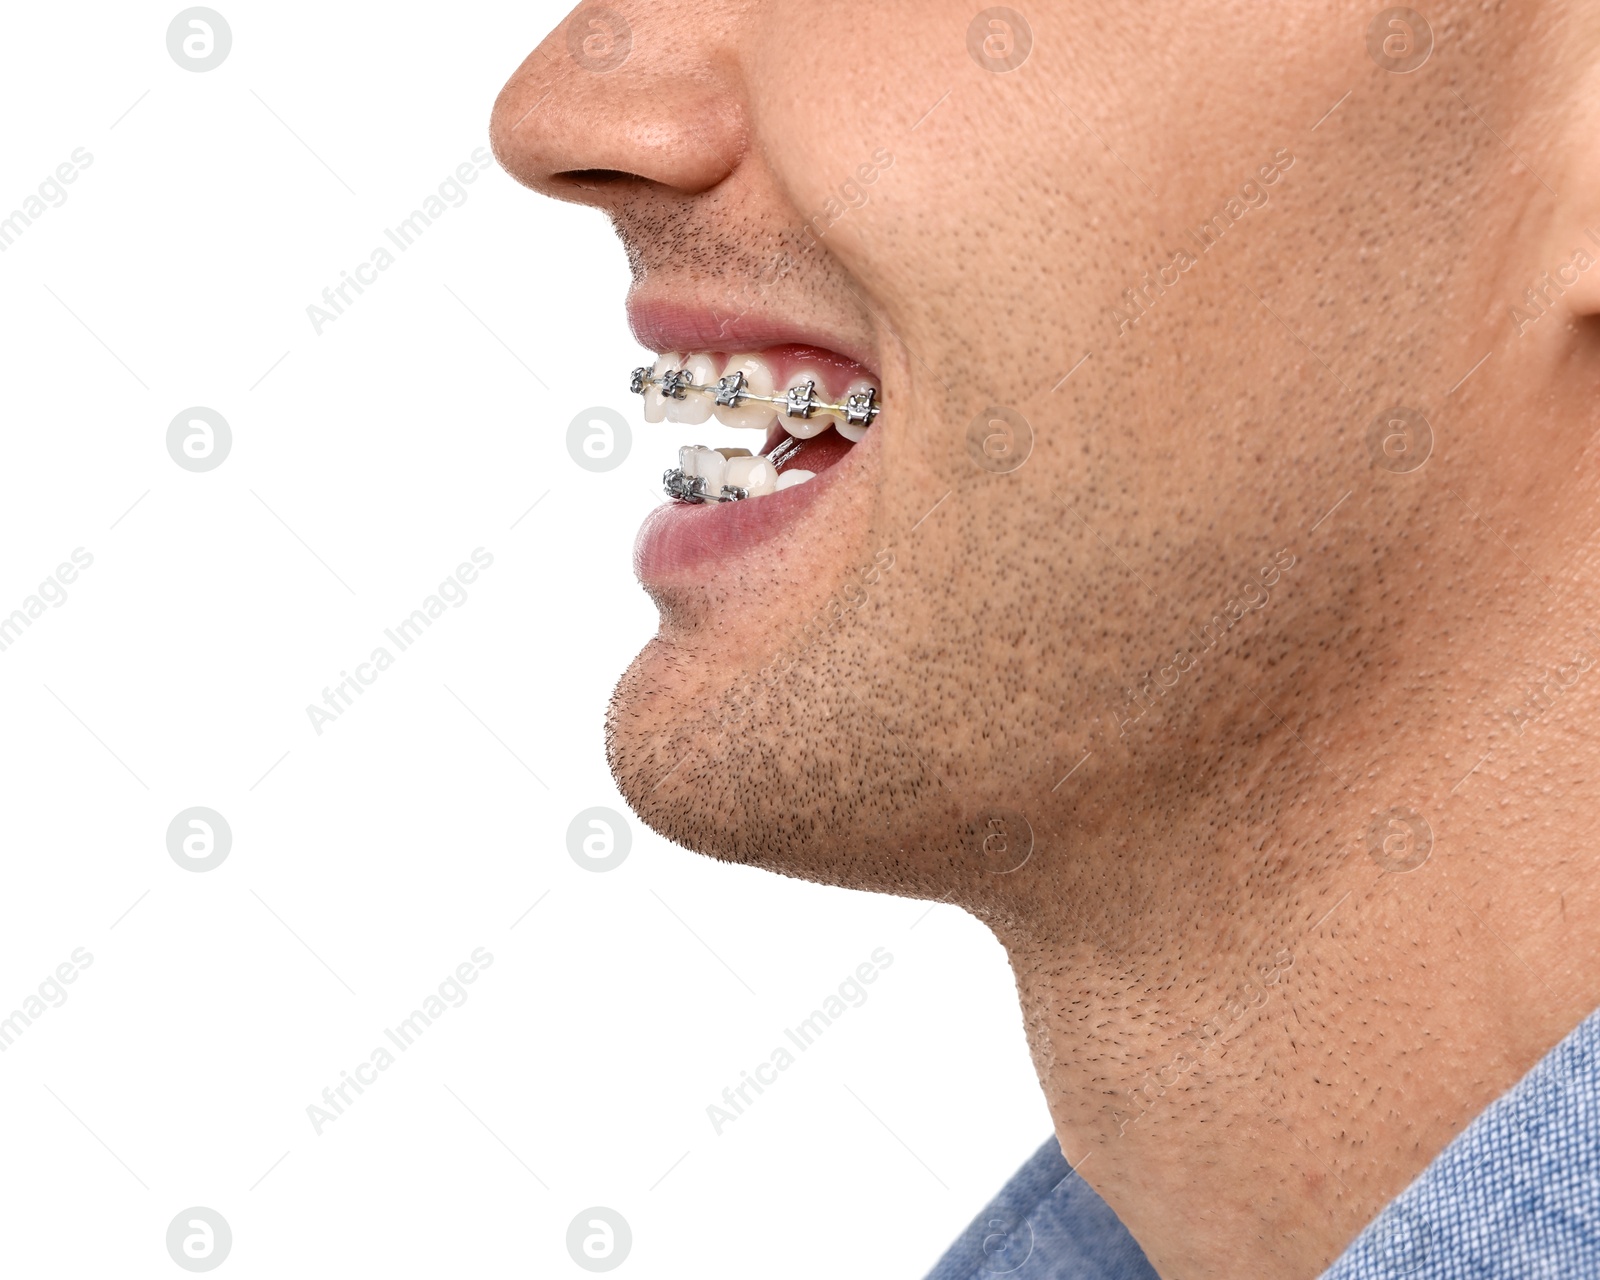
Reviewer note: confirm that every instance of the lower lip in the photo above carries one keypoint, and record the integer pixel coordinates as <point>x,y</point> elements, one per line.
<point>679,541</point>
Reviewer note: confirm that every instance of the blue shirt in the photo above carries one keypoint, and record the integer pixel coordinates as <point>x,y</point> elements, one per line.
<point>1516,1196</point>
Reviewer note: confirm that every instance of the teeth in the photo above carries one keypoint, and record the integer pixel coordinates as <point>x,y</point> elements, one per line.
<point>694,408</point>
<point>801,419</point>
<point>855,431</point>
<point>688,389</point>
<point>655,404</point>
<point>709,465</point>
<point>756,476</point>
<point>720,475</point>
<point>746,395</point>
<point>757,382</point>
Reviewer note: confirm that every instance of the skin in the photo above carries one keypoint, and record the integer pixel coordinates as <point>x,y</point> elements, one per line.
<point>1253,1032</point>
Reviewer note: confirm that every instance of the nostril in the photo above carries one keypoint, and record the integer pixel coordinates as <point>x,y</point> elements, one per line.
<point>589,179</point>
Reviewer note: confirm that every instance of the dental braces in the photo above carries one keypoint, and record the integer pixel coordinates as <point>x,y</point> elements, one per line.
<point>799,401</point>
<point>693,488</point>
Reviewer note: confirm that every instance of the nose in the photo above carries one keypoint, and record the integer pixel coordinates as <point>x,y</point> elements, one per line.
<point>619,99</point>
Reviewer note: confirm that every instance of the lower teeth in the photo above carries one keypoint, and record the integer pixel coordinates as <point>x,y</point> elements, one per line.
<point>727,475</point>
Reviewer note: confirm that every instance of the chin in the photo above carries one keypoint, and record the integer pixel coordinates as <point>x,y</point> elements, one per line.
<point>785,777</point>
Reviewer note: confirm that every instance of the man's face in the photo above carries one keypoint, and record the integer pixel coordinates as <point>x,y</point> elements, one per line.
<point>1141,291</point>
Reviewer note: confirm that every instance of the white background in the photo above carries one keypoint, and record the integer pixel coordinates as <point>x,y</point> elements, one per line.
<point>369,861</point>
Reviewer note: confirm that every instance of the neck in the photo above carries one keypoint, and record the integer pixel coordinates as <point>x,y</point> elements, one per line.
<point>1260,999</point>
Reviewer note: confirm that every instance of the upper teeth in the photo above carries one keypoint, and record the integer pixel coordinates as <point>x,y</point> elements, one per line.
<point>744,396</point>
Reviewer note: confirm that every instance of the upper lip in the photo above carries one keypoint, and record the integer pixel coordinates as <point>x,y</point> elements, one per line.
<point>684,326</point>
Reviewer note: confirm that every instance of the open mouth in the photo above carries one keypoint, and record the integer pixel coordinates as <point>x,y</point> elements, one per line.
<point>812,407</point>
